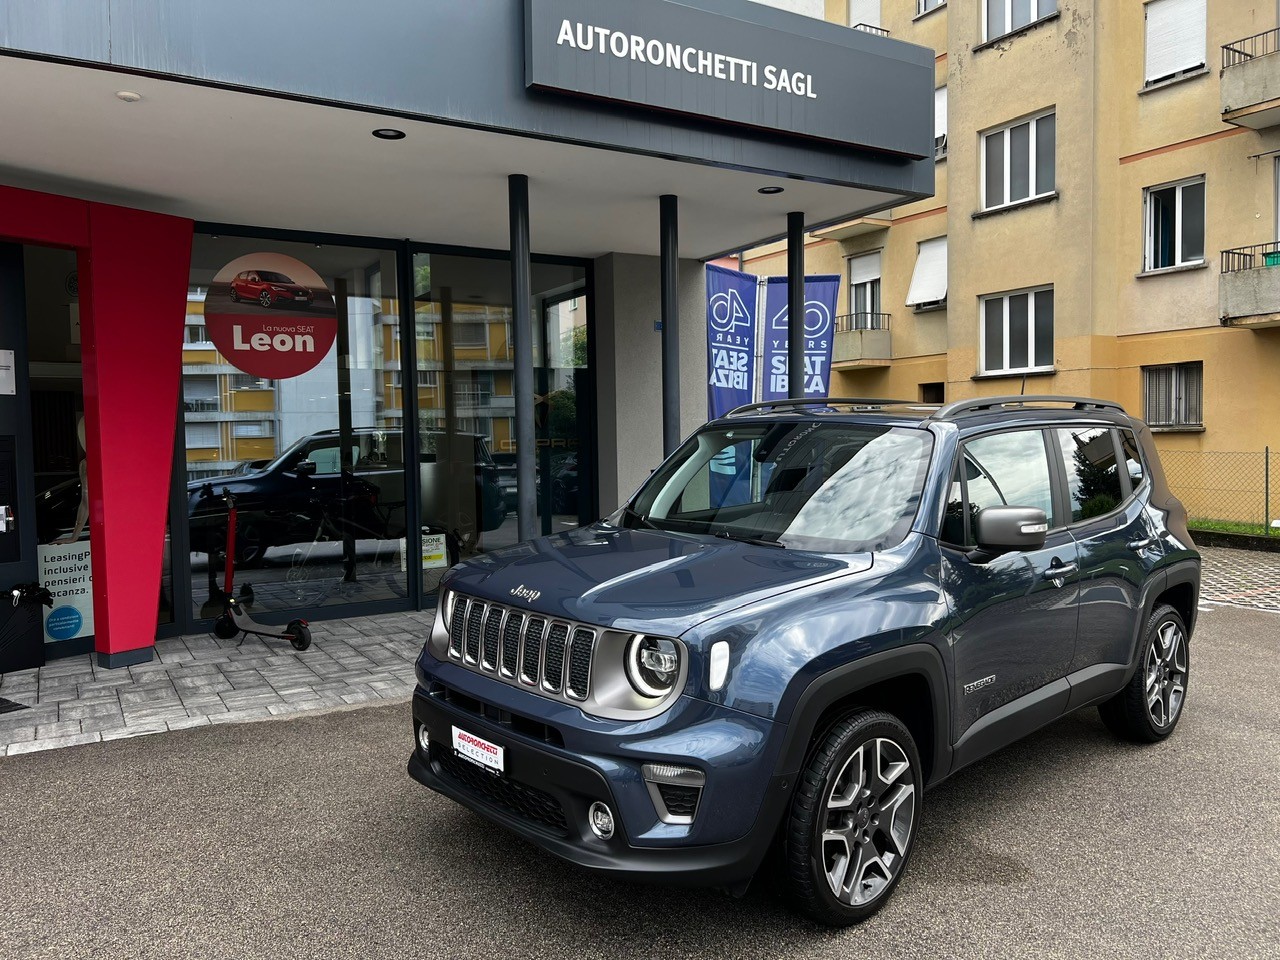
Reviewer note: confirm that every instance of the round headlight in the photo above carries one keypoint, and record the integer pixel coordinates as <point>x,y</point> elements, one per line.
<point>653,664</point>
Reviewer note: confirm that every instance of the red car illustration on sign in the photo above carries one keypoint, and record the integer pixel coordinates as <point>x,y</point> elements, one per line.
<point>268,287</point>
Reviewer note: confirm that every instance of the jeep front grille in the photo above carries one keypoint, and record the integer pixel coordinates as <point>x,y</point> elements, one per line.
<point>551,656</point>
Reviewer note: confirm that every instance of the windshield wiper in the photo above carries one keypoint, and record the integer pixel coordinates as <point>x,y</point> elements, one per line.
<point>640,521</point>
<point>726,535</point>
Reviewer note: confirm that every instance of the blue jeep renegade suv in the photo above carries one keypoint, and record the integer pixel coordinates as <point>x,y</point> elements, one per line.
<point>807,616</point>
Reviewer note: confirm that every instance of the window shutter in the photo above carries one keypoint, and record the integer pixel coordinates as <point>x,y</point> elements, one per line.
<point>864,269</point>
<point>929,282</point>
<point>1175,37</point>
<point>939,112</point>
<point>1190,390</point>
<point>864,11</point>
<point>1158,399</point>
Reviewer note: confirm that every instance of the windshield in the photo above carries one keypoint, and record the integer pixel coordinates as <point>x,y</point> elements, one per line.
<point>829,487</point>
<point>271,277</point>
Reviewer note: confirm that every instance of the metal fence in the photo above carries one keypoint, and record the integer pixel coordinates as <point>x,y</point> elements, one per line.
<point>1247,258</point>
<point>1228,491</point>
<point>1259,45</point>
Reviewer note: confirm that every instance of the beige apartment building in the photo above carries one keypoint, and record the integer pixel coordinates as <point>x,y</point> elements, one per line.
<point>1105,219</point>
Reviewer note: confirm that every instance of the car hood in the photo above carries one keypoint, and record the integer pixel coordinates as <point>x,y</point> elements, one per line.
<point>642,580</point>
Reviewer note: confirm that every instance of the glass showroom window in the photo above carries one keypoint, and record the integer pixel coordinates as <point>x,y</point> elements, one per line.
<point>1176,39</point>
<point>1018,161</point>
<point>1005,16</point>
<point>1173,395</point>
<point>1175,225</point>
<point>292,405</point>
<point>1017,332</point>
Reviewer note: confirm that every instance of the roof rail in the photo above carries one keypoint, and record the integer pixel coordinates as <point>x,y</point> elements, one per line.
<point>978,404</point>
<point>816,402</point>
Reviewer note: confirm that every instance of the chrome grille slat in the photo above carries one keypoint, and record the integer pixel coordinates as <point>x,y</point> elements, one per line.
<point>475,619</point>
<point>457,624</point>
<point>492,633</point>
<point>511,643</point>
<point>531,654</point>
<point>553,658</point>
<point>579,674</point>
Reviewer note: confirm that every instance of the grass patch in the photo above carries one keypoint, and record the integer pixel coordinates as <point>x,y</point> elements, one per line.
<point>1231,526</point>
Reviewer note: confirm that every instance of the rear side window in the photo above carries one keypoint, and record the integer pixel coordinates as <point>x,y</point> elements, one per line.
<point>1133,458</point>
<point>1093,476</point>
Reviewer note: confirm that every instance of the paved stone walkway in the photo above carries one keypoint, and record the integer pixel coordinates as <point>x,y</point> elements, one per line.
<point>1241,578</point>
<point>200,680</point>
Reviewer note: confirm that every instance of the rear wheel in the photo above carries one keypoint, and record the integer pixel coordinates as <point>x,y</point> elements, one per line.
<point>299,634</point>
<point>853,818</point>
<point>1148,708</point>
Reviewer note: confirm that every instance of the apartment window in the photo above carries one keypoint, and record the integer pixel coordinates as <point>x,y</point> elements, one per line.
<point>1017,331</point>
<point>1018,161</point>
<point>864,291</point>
<point>251,429</point>
<point>1175,38</point>
<point>203,435</point>
<point>470,334</point>
<point>1175,224</point>
<point>928,290</point>
<point>940,123</point>
<point>1006,16</point>
<point>864,13</point>
<point>1173,395</point>
<point>924,6</point>
<point>429,379</point>
<point>245,381</point>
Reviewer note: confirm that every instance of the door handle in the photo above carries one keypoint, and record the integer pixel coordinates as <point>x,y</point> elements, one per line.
<point>1058,574</point>
<point>1141,544</point>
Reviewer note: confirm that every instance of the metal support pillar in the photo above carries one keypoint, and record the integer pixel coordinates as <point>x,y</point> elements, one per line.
<point>795,306</point>
<point>669,227</point>
<point>522,344</point>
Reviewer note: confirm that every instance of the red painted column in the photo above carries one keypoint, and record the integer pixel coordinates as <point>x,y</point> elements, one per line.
<point>133,302</point>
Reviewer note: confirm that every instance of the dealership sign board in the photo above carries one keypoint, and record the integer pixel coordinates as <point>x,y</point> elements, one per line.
<point>668,56</point>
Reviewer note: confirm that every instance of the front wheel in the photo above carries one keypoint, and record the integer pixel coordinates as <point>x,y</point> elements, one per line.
<point>853,819</point>
<point>1148,708</point>
<point>264,299</point>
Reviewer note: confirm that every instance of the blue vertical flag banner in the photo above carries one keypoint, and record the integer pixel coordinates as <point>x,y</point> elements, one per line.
<point>820,294</point>
<point>731,339</point>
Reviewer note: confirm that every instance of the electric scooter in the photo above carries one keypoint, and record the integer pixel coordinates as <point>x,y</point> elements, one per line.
<point>235,617</point>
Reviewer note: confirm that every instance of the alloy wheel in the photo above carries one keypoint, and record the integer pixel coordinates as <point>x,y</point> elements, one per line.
<point>1166,674</point>
<point>264,298</point>
<point>870,813</point>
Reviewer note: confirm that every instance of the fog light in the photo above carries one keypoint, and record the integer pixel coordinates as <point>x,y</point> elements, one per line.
<point>601,819</point>
<point>424,739</point>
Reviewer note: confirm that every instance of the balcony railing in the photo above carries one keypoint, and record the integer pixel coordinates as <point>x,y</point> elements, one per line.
<point>869,28</point>
<point>1247,258</point>
<point>1250,48</point>
<point>862,321</point>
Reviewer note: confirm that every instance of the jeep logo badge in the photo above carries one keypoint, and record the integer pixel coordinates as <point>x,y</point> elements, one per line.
<point>525,593</point>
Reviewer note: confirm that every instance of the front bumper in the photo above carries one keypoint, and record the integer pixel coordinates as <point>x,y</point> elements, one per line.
<point>544,796</point>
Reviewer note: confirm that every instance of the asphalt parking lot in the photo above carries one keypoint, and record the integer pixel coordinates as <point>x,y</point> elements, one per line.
<point>305,838</point>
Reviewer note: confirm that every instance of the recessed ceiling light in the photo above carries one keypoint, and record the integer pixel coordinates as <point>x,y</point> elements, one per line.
<point>388,133</point>
<point>769,191</point>
<point>128,96</point>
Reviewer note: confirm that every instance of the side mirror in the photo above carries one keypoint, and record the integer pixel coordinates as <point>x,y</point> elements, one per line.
<point>1002,529</point>
<point>305,468</point>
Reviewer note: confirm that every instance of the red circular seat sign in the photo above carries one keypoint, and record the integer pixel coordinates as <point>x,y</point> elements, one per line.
<point>270,315</point>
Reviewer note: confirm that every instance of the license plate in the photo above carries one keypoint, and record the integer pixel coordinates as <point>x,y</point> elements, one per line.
<point>301,296</point>
<point>478,750</point>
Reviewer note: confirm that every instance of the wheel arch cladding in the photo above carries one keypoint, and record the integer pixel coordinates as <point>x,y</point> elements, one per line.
<point>908,682</point>
<point>1181,591</point>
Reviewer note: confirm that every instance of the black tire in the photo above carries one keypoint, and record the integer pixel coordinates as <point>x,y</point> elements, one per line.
<point>224,628</point>
<point>881,849</point>
<point>235,297</point>
<point>1152,702</point>
<point>265,301</point>
<point>299,634</point>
